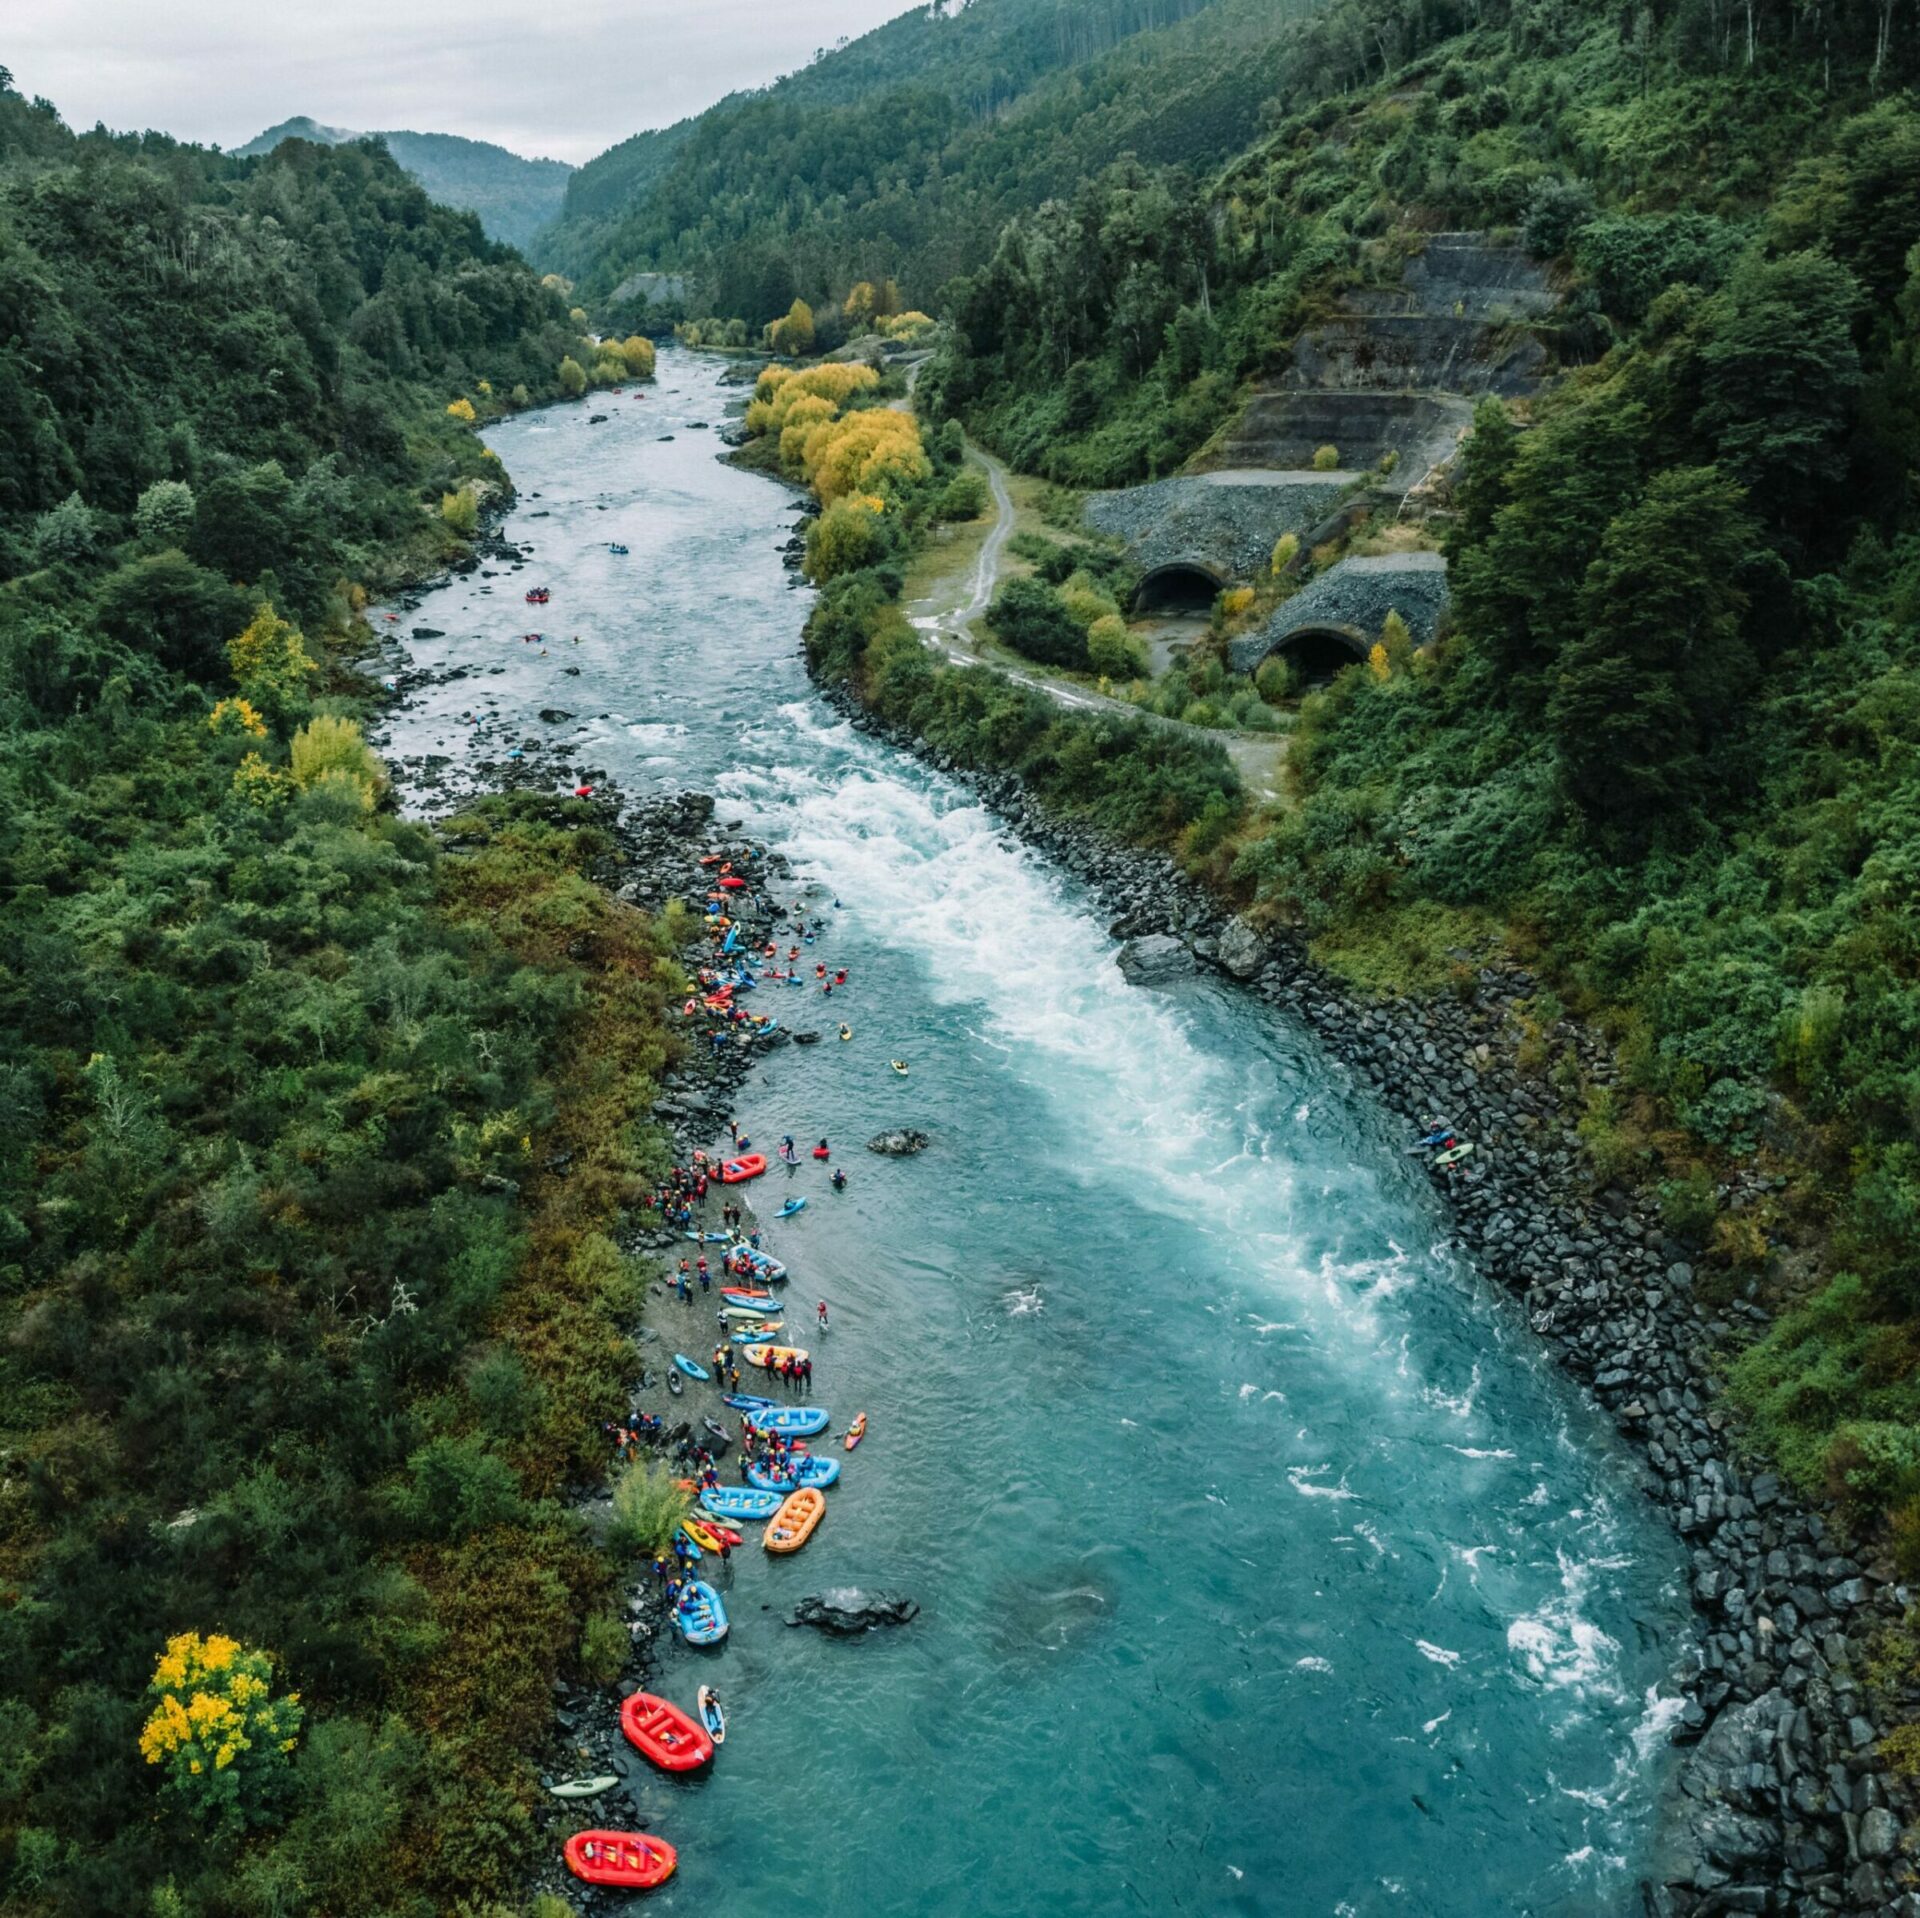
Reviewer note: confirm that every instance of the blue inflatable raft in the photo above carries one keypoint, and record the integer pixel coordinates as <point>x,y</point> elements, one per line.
<point>817,1472</point>
<point>739,1501</point>
<point>790,1421</point>
<point>700,1615</point>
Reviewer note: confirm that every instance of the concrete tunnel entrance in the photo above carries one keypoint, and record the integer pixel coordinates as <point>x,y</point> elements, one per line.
<point>1177,589</point>
<point>1315,654</point>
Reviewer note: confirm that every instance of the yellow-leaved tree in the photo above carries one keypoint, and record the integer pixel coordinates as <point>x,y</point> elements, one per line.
<point>637,350</point>
<point>224,1741</point>
<point>271,663</point>
<point>462,409</point>
<point>793,335</point>
<point>461,511</point>
<point>331,755</point>
<point>573,377</point>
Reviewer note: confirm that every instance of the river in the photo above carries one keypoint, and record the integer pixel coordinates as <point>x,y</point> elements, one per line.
<point>1267,1564</point>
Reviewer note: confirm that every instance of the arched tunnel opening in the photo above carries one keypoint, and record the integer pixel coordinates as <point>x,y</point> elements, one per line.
<point>1177,589</point>
<point>1316,653</point>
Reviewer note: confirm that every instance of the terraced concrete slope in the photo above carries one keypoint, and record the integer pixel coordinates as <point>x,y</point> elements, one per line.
<point>1385,388</point>
<point>1397,371</point>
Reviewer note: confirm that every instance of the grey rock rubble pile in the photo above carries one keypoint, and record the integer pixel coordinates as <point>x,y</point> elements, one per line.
<point>1783,1803</point>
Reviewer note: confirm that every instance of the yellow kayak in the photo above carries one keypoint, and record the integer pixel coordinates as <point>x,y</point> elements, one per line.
<point>793,1524</point>
<point>770,1356</point>
<point>700,1535</point>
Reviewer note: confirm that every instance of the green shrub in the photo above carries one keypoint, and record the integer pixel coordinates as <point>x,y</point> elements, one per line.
<point>964,496</point>
<point>604,1648</point>
<point>648,1505</point>
<point>1112,651</point>
<point>1030,616</point>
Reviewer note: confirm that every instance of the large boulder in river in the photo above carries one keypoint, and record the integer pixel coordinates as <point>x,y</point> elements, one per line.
<point>1242,951</point>
<point>899,1144</point>
<point>1156,960</point>
<point>849,1611</point>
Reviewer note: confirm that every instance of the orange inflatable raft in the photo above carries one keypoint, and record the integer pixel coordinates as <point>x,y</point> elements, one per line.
<point>793,1524</point>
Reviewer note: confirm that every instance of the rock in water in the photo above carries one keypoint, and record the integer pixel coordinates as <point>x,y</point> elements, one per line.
<point>849,1611</point>
<point>900,1144</point>
<point>1242,951</point>
<point>1155,960</point>
<point>806,1038</point>
<point>554,715</point>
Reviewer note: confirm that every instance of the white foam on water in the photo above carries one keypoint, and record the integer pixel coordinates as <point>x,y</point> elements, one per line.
<point>1656,1723</point>
<point>1481,1451</point>
<point>1312,1665</point>
<point>1437,1653</point>
<point>1301,1478</point>
<point>1559,1645</point>
<point>1023,1304</point>
<point>1433,1724</point>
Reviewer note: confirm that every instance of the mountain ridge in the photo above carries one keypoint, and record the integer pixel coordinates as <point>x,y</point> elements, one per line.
<point>514,196</point>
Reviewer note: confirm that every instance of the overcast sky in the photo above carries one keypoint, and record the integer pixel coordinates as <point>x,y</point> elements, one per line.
<point>539,76</point>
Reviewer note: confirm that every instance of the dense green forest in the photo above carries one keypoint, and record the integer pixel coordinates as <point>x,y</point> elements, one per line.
<point>312,1124</point>
<point>901,155</point>
<point>514,197</point>
<point>1668,752</point>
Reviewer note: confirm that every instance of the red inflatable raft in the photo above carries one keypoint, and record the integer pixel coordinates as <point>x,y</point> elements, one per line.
<point>739,1171</point>
<point>630,1859</point>
<point>733,884</point>
<point>665,1733</point>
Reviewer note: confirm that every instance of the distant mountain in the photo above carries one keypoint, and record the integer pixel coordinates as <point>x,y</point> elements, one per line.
<point>514,197</point>
<point>903,153</point>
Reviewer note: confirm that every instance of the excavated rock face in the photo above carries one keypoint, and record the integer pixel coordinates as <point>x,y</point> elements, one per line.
<point>1398,369</point>
<point>1283,427</point>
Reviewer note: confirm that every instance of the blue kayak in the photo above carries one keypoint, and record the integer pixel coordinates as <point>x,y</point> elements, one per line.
<point>790,1421</point>
<point>700,1615</point>
<point>740,1501</point>
<point>817,1472</point>
<point>684,1364</point>
<point>759,1334</point>
<point>747,1402</point>
<point>791,1207</point>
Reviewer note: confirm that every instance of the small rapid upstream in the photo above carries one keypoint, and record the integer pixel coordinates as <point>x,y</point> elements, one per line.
<point>1266,1565</point>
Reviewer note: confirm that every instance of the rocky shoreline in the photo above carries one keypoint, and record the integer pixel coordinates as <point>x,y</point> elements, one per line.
<point>1782,1802</point>
<point>658,842</point>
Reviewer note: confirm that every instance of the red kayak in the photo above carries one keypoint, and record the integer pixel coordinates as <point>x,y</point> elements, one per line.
<point>733,884</point>
<point>630,1859</point>
<point>665,1733</point>
<point>739,1171</point>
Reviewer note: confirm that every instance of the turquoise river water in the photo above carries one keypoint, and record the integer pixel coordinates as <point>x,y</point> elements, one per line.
<point>1267,1565</point>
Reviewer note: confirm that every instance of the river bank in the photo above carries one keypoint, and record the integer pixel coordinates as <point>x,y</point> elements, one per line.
<point>1783,1802</point>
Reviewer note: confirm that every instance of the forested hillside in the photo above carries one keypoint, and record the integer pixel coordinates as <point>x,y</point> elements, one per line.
<point>310,1134</point>
<point>515,197</point>
<point>901,155</point>
<point>1668,753</point>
